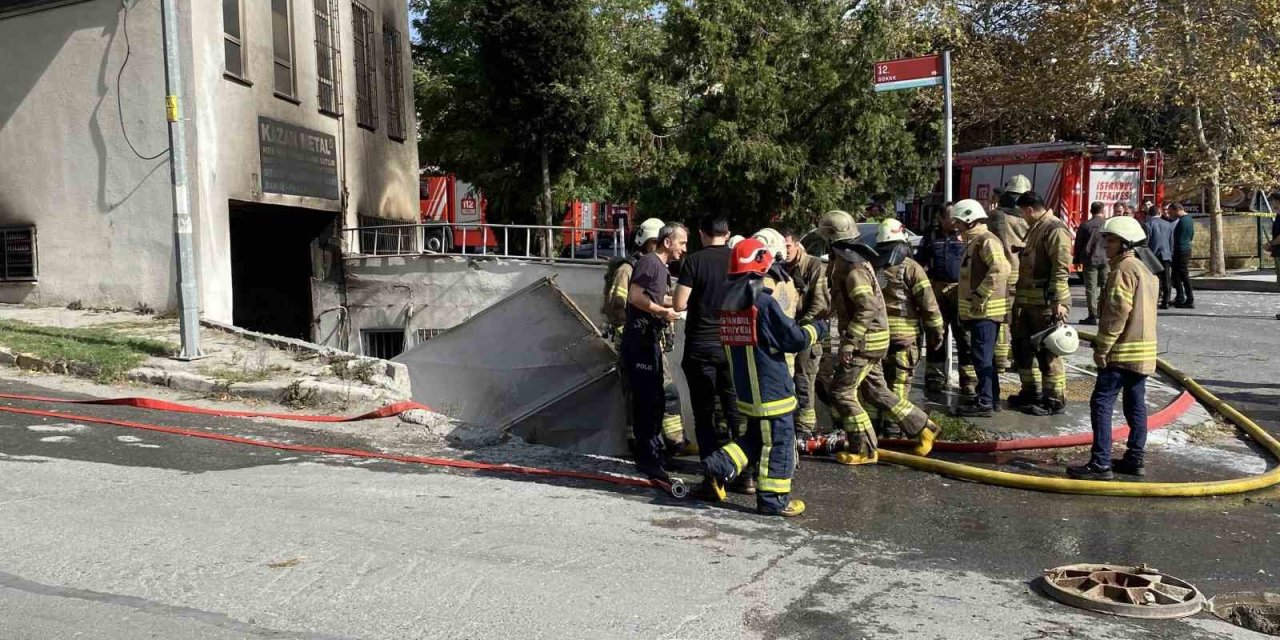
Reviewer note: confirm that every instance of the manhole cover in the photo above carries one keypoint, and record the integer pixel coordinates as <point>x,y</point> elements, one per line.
<point>1136,592</point>
<point>1257,611</point>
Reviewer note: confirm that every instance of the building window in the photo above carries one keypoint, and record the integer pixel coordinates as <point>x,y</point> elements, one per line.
<point>366,71</point>
<point>328,57</point>
<point>395,83</point>
<point>382,343</point>
<point>282,44</point>
<point>385,236</point>
<point>232,40</point>
<point>18,246</point>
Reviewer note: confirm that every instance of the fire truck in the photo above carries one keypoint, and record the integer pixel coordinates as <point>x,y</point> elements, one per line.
<point>1069,175</point>
<point>583,218</point>
<point>456,206</point>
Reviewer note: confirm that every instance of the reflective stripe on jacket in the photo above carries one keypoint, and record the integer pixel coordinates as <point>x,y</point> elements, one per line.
<point>1127,316</point>
<point>984,277</point>
<point>1045,264</point>
<point>765,388</point>
<point>858,303</point>
<point>908,299</point>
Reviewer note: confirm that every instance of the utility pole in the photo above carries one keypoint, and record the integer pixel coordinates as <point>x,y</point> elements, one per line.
<point>188,290</point>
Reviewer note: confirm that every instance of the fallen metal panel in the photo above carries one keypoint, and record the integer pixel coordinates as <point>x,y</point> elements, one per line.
<point>591,419</point>
<point>514,360</point>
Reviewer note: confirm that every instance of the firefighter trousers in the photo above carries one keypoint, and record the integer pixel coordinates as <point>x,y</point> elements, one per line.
<point>807,364</point>
<point>935,375</point>
<point>1049,378</point>
<point>771,442</point>
<point>862,380</point>
<point>1004,360</point>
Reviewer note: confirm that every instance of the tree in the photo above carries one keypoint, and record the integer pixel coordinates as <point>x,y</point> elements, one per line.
<point>504,91</point>
<point>1199,75</point>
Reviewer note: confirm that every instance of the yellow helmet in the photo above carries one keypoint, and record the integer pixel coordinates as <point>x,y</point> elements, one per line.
<point>836,226</point>
<point>1125,228</point>
<point>773,241</point>
<point>891,230</point>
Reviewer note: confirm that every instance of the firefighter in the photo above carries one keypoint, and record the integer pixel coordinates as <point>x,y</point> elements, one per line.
<point>779,281</point>
<point>617,280</point>
<point>909,301</point>
<point>1043,300</point>
<point>940,254</point>
<point>1009,227</point>
<point>983,301</point>
<point>864,341</point>
<point>810,278</point>
<point>756,335</point>
<point>1124,352</point>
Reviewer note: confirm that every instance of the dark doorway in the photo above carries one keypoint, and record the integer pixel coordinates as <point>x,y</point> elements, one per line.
<point>274,254</point>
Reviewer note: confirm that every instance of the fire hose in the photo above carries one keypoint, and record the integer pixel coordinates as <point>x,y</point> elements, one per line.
<point>1120,489</point>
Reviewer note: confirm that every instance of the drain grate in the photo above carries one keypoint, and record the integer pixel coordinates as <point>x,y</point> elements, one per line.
<point>1136,592</point>
<point>1256,611</point>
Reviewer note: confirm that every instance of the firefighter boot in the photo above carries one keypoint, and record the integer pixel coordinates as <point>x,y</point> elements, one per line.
<point>794,508</point>
<point>1046,407</point>
<point>924,442</point>
<point>744,484</point>
<point>711,489</point>
<point>1023,399</point>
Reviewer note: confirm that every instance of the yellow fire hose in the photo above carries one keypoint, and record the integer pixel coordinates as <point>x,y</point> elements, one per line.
<point>1121,489</point>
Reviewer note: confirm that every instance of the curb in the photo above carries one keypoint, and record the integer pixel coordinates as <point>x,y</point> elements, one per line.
<point>1230,284</point>
<point>303,390</point>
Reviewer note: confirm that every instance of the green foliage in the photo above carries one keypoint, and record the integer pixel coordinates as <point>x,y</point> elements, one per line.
<point>106,353</point>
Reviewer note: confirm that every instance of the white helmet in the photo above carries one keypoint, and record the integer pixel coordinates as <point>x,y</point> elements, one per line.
<point>1060,340</point>
<point>733,240</point>
<point>891,230</point>
<point>1125,228</point>
<point>648,230</point>
<point>969,211</point>
<point>773,241</point>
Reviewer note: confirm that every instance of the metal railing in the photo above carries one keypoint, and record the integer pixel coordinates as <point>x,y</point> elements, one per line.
<point>493,240</point>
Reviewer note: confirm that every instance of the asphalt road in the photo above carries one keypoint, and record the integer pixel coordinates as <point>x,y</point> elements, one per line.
<point>115,533</point>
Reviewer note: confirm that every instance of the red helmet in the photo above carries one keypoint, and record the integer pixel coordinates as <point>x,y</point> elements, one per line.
<point>750,256</point>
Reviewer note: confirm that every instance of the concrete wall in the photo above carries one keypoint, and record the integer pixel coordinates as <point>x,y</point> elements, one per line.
<point>104,216</point>
<point>432,292</point>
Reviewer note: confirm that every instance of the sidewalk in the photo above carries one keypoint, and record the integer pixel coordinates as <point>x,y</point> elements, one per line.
<point>1252,280</point>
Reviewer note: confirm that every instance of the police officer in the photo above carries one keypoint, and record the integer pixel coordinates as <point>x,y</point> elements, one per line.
<point>1124,352</point>
<point>617,280</point>
<point>983,302</point>
<point>940,254</point>
<point>1043,299</point>
<point>864,340</point>
<point>648,314</point>
<point>909,302</point>
<point>756,335</point>
<point>1008,225</point>
<point>810,278</point>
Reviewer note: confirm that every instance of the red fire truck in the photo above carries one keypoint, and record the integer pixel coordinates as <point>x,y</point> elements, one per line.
<point>451,203</point>
<point>1070,175</point>
<point>588,216</point>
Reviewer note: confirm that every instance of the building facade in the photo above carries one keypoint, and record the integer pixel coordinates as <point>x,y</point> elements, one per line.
<point>299,120</point>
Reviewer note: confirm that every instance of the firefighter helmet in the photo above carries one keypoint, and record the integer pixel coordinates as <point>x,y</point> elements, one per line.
<point>648,230</point>
<point>836,226</point>
<point>969,211</point>
<point>750,256</point>
<point>733,241</point>
<point>1060,340</point>
<point>1127,229</point>
<point>891,230</point>
<point>773,241</point>
<point>1016,184</point>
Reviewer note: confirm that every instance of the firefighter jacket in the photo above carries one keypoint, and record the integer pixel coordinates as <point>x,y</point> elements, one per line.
<point>810,278</point>
<point>984,277</point>
<point>617,282</point>
<point>757,336</point>
<point>858,303</point>
<point>908,300</point>
<point>1045,264</point>
<point>1127,317</point>
<point>1008,225</point>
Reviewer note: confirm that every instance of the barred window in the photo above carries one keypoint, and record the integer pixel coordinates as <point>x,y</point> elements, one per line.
<point>395,83</point>
<point>282,44</point>
<point>328,59</point>
<point>18,254</point>
<point>366,69</point>
<point>382,343</point>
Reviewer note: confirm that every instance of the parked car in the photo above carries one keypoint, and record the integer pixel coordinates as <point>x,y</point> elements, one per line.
<point>816,246</point>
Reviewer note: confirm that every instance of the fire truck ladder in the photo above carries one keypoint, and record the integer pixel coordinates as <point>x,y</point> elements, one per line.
<point>1151,171</point>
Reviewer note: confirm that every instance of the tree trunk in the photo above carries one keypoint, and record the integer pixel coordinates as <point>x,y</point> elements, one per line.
<point>546,195</point>
<point>1217,256</point>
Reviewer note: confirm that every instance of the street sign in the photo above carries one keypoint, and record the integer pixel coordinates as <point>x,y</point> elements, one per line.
<point>908,73</point>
